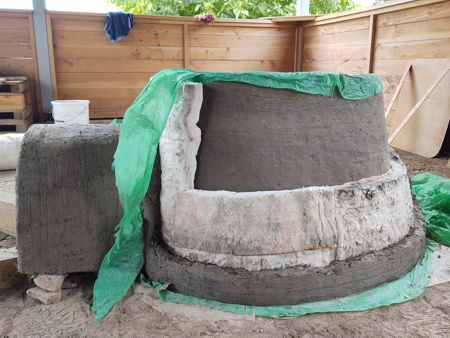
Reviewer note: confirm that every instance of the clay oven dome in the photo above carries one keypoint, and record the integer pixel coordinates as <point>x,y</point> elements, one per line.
<point>256,180</point>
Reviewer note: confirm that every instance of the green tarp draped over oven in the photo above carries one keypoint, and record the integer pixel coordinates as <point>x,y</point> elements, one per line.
<point>141,130</point>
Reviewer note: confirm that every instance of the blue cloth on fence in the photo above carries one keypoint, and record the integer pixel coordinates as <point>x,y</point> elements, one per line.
<point>117,25</point>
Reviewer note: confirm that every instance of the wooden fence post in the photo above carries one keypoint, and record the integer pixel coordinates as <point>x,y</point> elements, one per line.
<point>372,30</point>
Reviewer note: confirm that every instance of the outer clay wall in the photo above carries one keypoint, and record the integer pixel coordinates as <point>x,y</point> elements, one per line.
<point>257,139</point>
<point>67,200</point>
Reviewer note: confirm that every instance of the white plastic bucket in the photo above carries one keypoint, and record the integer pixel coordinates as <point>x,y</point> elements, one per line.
<point>9,150</point>
<point>71,111</point>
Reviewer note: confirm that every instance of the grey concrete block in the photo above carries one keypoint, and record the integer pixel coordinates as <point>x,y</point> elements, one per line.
<point>67,201</point>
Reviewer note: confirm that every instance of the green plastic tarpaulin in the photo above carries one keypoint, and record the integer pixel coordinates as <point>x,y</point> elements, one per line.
<point>433,194</point>
<point>141,130</point>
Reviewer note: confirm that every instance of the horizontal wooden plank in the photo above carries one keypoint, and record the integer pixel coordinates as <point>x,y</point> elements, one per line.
<point>82,25</point>
<point>293,19</point>
<point>94,93</point>
<point>338,27</point>
<point>335,52</point>
<point>13,101</point>
<point>423,30</point>
<point>389,67</point>
<point>105,115</point>
<point>381,8</point>
<point>103,80</point>
<point>17,66</point>
<point>415,49</point>
<point>211,40</point>
<point>138,18</point>
<point>242,66</point>
<point>15,50</point>
<point>11,23</point>
<point>68,38</point>
<point>118,51</point>
<point>241,31</point>
<point>230,53</point>
<point>338,39</point>
<point>15,35</point>
<point>113,65</point>
<point>343,66</point>
<point>428,12</point>
<point>110,105</point>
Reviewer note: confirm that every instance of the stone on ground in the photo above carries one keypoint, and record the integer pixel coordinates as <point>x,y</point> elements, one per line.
<point>50,282</point>
<point>46,297</point>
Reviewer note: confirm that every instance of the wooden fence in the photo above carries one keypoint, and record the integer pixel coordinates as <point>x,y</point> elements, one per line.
<point>18,49</point>
<point>380,40</point>
<point>87,65</point>
<point>84,64</point>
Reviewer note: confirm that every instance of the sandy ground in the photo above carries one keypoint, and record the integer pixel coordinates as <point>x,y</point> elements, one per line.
<point>141,313</point>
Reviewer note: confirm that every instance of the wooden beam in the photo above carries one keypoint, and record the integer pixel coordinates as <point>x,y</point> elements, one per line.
<point>301,48</point>
<point>52,56</point>
<point>417,106</point>
<point>372,30</point>
<point>296,49</point>
<point>37,89</point>
<point>397,91</point>
<point>186,45</point>
<point>300,18</point>
<point>171,20</point>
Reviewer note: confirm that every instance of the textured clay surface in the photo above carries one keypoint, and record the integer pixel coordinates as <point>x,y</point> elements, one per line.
<point>289,285</point>
<point>67,200</point>
<point>256,138</point>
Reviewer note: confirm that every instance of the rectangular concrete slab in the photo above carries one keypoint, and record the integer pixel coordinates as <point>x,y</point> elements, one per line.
<point>67,201</point>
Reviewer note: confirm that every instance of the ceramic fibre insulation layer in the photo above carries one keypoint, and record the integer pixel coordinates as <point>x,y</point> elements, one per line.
<point>272,229</point>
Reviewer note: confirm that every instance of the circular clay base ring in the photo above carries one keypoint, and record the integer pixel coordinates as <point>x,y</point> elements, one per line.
<point>287,286</point>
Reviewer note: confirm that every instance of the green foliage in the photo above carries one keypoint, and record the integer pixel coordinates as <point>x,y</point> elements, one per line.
<point>331,6</point>
<point>244,9</point>
<point>249,9</point>
<point>376,2</point>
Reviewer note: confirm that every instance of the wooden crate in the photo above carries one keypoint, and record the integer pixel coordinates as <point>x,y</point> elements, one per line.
<point>15,104</point>
<point>14,93</point>
<point>22,119</point>
<point>14,84</point>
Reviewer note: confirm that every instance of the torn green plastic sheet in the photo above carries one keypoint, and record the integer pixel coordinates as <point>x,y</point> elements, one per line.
<point>141,129</point>
<point>433,194</point>
<point>408,287</point>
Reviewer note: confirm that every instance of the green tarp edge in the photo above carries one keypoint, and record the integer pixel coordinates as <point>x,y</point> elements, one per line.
<point>141,130</point>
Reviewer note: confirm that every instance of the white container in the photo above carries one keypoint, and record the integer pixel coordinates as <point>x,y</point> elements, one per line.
<point>9,150</point>
<point>71,111</point>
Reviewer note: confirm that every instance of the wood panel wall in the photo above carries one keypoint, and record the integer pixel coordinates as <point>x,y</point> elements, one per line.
<point>381,40</point>
<point>88,66</point>
<point>85,65</point>
<point>18,51</point>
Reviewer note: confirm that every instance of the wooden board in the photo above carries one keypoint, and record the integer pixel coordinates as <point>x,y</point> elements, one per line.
<point>15,84</point>
<point>424,133</point>
<point>14,101</point>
